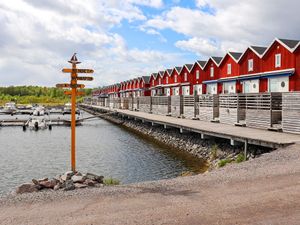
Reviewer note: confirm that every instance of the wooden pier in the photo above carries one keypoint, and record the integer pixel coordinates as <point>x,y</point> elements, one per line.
<point>207,129</point>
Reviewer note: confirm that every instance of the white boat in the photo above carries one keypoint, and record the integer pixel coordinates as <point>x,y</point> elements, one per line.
<point>39,111</point>
<point>68,109</point>
<point>9,107</point>
<point>36,124</point>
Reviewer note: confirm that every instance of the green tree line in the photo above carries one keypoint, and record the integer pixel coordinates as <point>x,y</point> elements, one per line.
<point>36,94</point>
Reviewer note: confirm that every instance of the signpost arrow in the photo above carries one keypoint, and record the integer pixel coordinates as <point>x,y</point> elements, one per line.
<point>67,70</point>
<point>63,86</point>
<point>85,78</point>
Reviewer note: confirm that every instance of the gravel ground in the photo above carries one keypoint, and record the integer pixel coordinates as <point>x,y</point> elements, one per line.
<point>264,190</point>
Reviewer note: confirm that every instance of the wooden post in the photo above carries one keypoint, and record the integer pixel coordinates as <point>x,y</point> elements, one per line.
<point>73,115</point>
<point>245,149</point>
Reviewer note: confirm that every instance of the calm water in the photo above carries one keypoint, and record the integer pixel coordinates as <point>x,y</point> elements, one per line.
<point>102,148</point>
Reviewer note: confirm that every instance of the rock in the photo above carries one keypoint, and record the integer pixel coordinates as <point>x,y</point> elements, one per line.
<point>43,179</point>
<point>94,177</point>
<point>78,179</point>
<point>48,183</point>
<point>26,188</point>
<point>64,177</point>
<point>69,185</point>
<point>90,182</point>
<point>78,174</point>
<point>57,187</point>
<point>69,173</point>
<point>34,181</point>
<point>79,185</point>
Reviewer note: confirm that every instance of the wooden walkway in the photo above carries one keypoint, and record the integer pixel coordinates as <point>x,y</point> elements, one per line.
<point>233,133</point>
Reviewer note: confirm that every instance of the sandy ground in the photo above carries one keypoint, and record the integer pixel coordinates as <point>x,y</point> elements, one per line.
<point>261,191</point>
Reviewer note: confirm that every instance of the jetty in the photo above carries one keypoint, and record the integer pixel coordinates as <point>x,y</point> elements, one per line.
<point>235,134</point>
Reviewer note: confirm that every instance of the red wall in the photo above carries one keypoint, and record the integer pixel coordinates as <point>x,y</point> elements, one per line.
<point>185,70</point>
<point>223,67</point>
<point>243,63</point>
<point>207,76</point>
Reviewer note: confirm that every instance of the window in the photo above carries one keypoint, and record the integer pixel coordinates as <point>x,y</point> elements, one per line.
<point>175,78</point>
<point>185,76</point>
<point>197,74</point>
<point>212,71</point>
<point>152,82</point>
<point>167,79</point>
<point>250,65</point>
<point>228,68</point>
<point>278,60</point>
<point>159,81</point>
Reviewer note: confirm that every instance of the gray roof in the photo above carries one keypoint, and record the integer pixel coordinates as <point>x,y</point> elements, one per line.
<point>259,50</point>
<point>169,71</point>
<point>290,43</point>
<point>217,59</point>
<point>146,79</point>
<point>178,69</point>
<point>236,55</point>
<point>189,66</point>
<point>154,74</point>
<point>161,73</point>
<point>201,63</point>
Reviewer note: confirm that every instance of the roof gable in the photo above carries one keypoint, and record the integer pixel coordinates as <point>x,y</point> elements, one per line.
<point>234,55</point>
<point>290,45</point>
<point>189,67</point>
<point>216,60</point>
<point>178,69</point>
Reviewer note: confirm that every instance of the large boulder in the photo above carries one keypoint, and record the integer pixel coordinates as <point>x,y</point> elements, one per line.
<point>48,183</point>
<point>78,179</point>
<point>94,177</point>
<point>69,185</point>
<point>26,188</point>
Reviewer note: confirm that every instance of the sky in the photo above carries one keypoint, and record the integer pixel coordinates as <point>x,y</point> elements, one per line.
<point>125,39</point>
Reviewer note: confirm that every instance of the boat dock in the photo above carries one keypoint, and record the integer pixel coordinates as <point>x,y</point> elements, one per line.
<point>235,134</point>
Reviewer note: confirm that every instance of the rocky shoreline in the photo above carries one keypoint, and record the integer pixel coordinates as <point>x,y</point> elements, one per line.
<point>215,151</point>
<point>68,181</point>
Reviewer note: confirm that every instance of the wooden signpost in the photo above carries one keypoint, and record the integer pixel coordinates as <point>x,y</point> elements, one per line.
<point>74,92</point>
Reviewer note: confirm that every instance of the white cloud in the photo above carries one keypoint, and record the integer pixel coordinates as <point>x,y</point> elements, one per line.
<point>235,22</point>
<point>38,37</point>
<point>199,46</point>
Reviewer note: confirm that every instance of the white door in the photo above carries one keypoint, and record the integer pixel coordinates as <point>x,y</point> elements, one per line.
<point>279,84</point>
<point>153,93</point>
<point>186,90</point>
<point>167,91</point>
<point>251,86</point>
<point>229,87</point>
<point>176,91</point>
<point>198,89</point>
<point>212,89</point>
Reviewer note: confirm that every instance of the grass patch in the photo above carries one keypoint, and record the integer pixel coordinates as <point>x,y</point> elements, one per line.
<point>111,181</point>
<point>240,158</point>
<point>223,162</point>
<point>214,151</point>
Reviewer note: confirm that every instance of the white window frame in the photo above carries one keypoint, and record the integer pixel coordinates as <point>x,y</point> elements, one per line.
<point>277,60</point>
<point>212,71</point>
<point>197,74</point>
<point>185,76</point>
<point>152,82</point>
<point>250,65</point>
<point>229,68</point>
<point>175,78</point>
<point>167,79</point>
<point>159,81</point>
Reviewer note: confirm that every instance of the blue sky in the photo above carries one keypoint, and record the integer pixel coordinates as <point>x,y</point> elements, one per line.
<point>124,39</point>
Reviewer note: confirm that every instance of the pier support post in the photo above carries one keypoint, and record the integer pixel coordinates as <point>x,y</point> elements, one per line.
<point>245,149</point>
